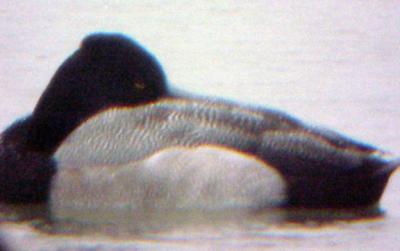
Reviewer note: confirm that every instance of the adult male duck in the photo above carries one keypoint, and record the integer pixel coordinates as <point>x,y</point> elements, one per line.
<point>108,131</point>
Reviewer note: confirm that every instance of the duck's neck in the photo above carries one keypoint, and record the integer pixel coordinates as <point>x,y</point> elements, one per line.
<point>47,130</point>
<point>50,125</point>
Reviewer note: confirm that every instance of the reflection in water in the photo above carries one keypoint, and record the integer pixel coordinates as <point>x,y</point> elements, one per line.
<point>24,212</point>
<point>139,223</point>
<point>34,227</point>
<point>145,223</point>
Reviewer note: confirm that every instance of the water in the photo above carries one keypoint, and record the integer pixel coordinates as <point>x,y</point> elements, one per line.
<point>328,62</point>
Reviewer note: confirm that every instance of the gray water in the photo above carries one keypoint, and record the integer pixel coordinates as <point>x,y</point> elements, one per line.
<point>332,63</point>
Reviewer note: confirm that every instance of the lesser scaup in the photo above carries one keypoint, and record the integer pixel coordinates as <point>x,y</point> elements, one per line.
<point>115,93</point>
<point>319,171</point>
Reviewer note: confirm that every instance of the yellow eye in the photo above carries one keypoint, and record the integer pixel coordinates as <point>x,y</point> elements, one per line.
<point>139,85</point>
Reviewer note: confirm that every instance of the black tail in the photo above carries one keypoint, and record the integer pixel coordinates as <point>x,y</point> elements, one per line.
<point>391,165</point>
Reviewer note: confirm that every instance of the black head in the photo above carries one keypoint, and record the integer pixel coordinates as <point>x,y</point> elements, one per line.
<point>108,70</point>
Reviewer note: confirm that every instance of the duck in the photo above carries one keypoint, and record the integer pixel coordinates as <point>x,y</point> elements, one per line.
<point>108,132</point>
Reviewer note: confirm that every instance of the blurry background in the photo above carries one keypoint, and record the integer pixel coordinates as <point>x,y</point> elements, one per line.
<point>333,63</point>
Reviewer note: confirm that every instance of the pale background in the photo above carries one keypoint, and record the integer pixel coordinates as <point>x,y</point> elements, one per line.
<point>333,63</point>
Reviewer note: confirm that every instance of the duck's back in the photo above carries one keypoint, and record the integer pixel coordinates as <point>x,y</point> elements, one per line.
<point>120,135</point>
